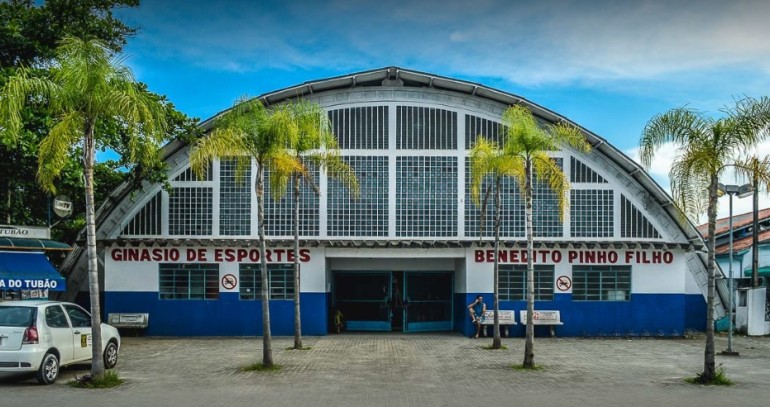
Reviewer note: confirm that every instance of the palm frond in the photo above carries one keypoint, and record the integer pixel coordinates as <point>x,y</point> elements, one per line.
<point>221,142</point>
<point>680,126</point>
<point>546,169</point>
<point>53,153</point>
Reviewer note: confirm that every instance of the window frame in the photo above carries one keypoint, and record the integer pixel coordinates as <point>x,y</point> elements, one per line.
<point>283,272</point>
<point>184,272</point>
<point>542,293</point>
<point>604,281</point>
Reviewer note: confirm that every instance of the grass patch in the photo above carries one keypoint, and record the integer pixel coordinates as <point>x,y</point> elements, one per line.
<point>719,379</point>
<point>489,347</point>
<point>259,367</point>
<point>109,380</point>
<point>521,368</point>
<point>303,348</point>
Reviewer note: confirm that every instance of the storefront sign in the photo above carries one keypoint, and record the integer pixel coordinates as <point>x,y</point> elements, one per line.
<point>26,232</point>
<point>217,255</point>
<point>519,256</point>
<point>25,284</point>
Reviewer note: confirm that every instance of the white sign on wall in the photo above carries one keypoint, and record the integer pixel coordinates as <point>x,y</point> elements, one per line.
<point>27,232</point>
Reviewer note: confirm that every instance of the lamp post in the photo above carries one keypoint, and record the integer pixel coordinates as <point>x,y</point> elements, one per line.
<point>742,191</point>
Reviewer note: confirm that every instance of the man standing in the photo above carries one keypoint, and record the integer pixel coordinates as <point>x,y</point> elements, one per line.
<point>477,309</point>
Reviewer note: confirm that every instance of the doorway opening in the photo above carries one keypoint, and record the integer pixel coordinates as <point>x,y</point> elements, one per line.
<point>401,301</point>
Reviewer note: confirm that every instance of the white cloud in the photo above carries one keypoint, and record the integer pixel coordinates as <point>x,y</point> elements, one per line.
<point>525,42</point>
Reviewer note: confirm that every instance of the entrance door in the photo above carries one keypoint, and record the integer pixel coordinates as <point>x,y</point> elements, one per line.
<point>429,301</point>
<point>405,301</point>
<point>363,299</point>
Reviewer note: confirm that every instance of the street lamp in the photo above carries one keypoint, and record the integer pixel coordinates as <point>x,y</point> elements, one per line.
<point>741,191</point>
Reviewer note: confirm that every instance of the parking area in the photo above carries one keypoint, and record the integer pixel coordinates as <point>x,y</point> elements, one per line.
<point>415,370</point>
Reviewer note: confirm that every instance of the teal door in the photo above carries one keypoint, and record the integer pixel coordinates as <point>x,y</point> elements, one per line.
<point>406,301</point>
<point>429,301</point>
<point>362,297</point>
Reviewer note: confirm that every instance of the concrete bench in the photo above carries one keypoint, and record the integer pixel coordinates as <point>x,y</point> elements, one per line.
<point>128,320</point>
<point>504,318</point>
<point>551,318</point>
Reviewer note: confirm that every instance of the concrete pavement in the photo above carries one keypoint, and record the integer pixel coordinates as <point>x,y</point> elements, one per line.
<point>446,369</point>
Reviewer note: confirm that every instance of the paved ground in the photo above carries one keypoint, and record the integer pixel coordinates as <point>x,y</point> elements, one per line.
<point>415,370</point>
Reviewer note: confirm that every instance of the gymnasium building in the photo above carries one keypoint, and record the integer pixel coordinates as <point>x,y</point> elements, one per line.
<point>410,252</point>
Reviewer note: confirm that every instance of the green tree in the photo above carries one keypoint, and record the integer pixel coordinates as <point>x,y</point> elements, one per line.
<point>87,86</point>
<point>524,156</point>
<point>250,131</point>
<point>30,31</point>
<point>706,147</point>
<point>315,146</point>
<point>489,164</point>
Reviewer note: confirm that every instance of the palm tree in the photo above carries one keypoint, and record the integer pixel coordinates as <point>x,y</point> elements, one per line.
<point>87,88</point>
<point>488,160</point>
<point>706,148</point>
<point>524,156</point>
<point>247,131</point>
<point>315,146</point>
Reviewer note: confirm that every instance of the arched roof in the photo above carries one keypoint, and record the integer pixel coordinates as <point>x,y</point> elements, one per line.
<point>399,77</point>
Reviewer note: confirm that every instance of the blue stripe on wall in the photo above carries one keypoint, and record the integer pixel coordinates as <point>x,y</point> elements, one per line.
<point>669,314</point>
<point>227,316</point>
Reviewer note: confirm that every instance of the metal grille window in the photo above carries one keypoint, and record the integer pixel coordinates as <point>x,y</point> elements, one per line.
<point>583,173</point>
<point>511,210</point>
<point>546,219</point>
<point>234,199</point>
<point>198,281</point>
<point>280,281</point>
<point>367,215</point>
<point>189,175</point>
<point>426,196</point>
<point>421,128</point>
<point>601,283</point>
<point>633,223</point>
<point>147,221</point>
<point>476,126</point>
<point>592,213</point>
<point>361,128</point>
<point>279,215</point>
<point>189,211</point>
<point>513,282</point>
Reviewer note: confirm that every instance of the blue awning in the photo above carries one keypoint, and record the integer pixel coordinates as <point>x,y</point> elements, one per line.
<point>29,271</point>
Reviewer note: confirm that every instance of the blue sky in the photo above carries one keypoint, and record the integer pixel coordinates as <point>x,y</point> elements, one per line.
<point>607,65</point>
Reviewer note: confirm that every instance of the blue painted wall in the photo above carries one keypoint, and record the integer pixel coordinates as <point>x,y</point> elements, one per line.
<point>669,314</point>
<point>227,316</point>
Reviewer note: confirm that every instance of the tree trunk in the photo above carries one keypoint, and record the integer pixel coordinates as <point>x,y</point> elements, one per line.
<point>97,363</point>
<point>709,367</point>
<point>529,342</point>
<point>267,340</point>
<point>755,234</point>
<point>496,342</point>
<point>297,319</point>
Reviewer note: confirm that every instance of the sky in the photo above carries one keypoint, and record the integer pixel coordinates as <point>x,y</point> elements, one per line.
<point>609,66</point>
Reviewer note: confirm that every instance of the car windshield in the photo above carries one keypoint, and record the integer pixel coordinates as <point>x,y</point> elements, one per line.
<point>16,316</point>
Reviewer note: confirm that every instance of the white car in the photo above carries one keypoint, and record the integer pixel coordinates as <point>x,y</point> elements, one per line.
<point>42,336</point>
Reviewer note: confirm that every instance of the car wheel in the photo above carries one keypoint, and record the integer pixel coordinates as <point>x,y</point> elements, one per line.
<point>49,369</point>
<point>110,355</point>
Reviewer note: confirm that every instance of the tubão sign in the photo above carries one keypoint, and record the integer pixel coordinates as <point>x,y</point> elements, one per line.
<point>172,254</point>
<point>578,256</point>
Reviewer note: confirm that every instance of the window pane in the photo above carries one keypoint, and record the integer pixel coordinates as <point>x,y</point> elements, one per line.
<point>189,281</point>
<point>513,282</point>
<point>601,283</point>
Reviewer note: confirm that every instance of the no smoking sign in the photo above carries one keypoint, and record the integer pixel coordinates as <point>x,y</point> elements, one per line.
<point>229,281</point>
<point>563,283</point>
